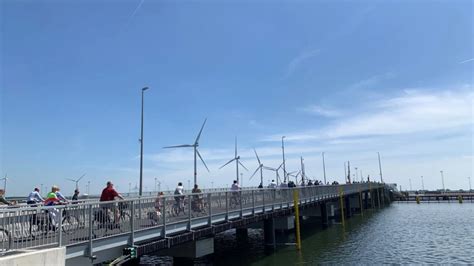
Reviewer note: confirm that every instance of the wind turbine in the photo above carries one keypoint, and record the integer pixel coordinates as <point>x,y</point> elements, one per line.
<point>76,180</point>
<point>303,174</point>
<point>5,183</point>
<point>196,152</point>
<point>295,176</point>
<point>237,162</point>
<point>276,172</point>
<point>260,167</point>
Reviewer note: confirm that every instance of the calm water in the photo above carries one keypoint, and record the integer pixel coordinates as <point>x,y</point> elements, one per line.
<point>401,233</point>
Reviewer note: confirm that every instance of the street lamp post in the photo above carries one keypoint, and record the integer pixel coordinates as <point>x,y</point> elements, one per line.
<point>357,174</point>
<point>284,165</point>
<point>155,183</point>
<point>442,180</point>
<point>422,184</point>
<point>324,169</point>
<point>141,146</point>
<point>380,168</point>
<point>469,183</point>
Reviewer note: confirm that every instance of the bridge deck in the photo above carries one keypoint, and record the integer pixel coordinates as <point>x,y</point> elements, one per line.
<point>89,227</point>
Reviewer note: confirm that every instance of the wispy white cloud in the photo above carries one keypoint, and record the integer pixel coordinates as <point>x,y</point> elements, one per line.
<point>322,111</point>
<point>300,59</point>
<point>416,111</point>
<point>370,82</point>
<point>465,61</point>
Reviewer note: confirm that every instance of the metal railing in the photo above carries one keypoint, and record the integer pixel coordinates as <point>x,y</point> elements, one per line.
<point>71,224</point>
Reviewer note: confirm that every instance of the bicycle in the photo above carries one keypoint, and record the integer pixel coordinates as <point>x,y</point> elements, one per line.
<point>235,200</point>
<point>103,221</point>
<point>43,222</point>
<point>178,207</point>
<point>5,240</point>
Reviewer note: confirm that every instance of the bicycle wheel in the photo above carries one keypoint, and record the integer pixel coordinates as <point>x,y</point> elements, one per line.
<point>5,240</point>
<point>70,224</point>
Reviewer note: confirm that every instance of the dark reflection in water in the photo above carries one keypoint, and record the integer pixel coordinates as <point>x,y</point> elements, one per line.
<point>401,233</point>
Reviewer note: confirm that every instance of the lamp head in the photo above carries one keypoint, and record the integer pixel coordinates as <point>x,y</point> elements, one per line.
<point>145,88</point>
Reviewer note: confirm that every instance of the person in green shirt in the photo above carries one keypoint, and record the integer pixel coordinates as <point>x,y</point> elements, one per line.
<point>3,200</point>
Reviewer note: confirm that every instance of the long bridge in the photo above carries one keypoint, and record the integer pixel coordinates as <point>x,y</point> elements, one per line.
<point>94,232</point>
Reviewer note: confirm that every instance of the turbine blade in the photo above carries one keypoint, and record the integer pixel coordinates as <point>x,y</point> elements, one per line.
<point>279,166</point>
<point>179,146</point>
<point>200,131</point>
<point>79,179</point>
<point>256,170</point>
<point>235,147</point>
<point>243,166</point>
<point>227,163</point>
<point>202,160</point>
<point>269,168</point>
<point>70,179</point>
<point>258,159</point>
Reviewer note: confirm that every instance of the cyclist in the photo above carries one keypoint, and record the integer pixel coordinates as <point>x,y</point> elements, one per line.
<point>75,197</point>
<point>53,199</point>
<point>197,199</point>
<point>272,184</point>
<point>159,204</point>
<point>235,188</point>
<point>3,200</point>
<point>180,196</point>
<point>34,197</point>
<point>110,194</point>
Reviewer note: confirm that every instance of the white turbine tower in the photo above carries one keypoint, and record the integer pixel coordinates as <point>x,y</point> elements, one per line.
<point>237,162</point>
<point>277,174</point>
<point>196,151</point>
<point>5,183</point>
<point>76,180</point>
<point>260,167</point>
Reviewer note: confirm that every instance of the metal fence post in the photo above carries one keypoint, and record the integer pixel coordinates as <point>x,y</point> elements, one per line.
<point>253,202</point>
<point>91,255</point>
<point>241,201</point>
<point>226,206</point>
<point>163,229</point>
<point>60,226</point>
<point>274,199</point>
<point>189,212</point>
<point>209,205</point>
<point>132,225</point>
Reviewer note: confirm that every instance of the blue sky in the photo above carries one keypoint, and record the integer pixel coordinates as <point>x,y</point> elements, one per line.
<point>347,78</point>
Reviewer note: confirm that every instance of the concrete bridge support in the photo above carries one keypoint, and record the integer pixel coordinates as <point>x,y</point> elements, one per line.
<point>324,214</point>
<point>241,234</point>
<point>366,200</point>
<point>347,207</point>
<point>269,234</point>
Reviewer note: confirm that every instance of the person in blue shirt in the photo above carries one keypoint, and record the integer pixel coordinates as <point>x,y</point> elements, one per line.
<point>34,197</point>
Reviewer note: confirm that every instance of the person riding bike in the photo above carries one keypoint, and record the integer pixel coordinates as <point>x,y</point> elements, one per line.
<point>179,198</point>
<point>235,188</point>
<point>110,194</point>
<point>197,204</point>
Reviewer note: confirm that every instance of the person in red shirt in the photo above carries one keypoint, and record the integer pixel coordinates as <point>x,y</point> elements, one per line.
<point>109,194</point>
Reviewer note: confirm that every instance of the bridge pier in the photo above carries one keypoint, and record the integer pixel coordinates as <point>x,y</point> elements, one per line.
<point>241,234</point>
<point>191,250</point>
<point>347,207</point>
<point>269,234</point>
<point>324,214</point>
<point>366,200</point>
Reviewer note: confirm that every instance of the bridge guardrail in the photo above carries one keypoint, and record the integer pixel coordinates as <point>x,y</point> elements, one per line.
<point>43,226</point>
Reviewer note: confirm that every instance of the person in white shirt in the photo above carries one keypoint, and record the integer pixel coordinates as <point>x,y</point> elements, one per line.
<point>34,197</point>
<point>179,198</point>
<point>272,184</point>
<point>235,193</point>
